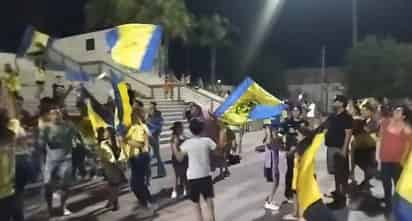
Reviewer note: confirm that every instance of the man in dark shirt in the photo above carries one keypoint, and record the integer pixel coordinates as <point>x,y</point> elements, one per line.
<point>339,133</point>
<point>289,129</point>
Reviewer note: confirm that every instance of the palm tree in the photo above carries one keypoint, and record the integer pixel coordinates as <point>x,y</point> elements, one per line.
<point>213,32</point>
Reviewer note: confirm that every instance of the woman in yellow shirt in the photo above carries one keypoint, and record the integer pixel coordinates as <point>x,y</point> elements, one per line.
<point>111,156</point>
<point>137,151</point>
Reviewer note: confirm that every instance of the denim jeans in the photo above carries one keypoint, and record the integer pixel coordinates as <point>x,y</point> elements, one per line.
<point>139,165</point>
<point>390,173</point>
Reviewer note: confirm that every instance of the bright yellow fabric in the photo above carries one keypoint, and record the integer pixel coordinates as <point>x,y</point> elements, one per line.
<point>95,119</point>
<point>7,171</point>
<point>132,44</point>
<point>307,188</point>
<point>404,187</point>
<point>13,82</point>
<point>106,154</point>
<point>295,172</point>
<point>38,43</point>
<point>137,133</point>
<point>255,94</point>
<point>127,108</point>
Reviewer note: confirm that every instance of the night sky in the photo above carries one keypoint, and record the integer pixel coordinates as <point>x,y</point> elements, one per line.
<point>303,26</point>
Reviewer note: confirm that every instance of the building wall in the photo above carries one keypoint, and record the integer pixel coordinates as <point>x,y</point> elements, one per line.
<point>75,47</point>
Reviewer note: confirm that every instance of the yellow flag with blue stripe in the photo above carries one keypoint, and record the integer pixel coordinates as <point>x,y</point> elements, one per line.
<point>123,111</point>
<point>98,115</point>
<point>311,206</point>
<point>249,101</point>
<point>135,45</point>
<point>403,198</point>
<point>34,43</point>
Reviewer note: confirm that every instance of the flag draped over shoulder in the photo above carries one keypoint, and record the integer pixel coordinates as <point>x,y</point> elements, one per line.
<point>98,115</point>
<point>123,111</point>
<point>310,203</point>
<point>403,197</point>
<point>34,43</point>
<point>249,101</point>
<point>135,45</point>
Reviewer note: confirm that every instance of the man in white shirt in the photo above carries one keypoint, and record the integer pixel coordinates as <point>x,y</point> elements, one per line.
<point>198,173</point>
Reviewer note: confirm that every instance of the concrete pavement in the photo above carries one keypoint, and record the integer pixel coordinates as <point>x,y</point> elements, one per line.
<point>238,198</point>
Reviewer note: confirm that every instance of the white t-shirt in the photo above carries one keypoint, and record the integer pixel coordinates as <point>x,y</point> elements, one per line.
<point>198,151</point>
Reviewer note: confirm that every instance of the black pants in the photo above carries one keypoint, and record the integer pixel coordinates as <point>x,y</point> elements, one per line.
<point>391,172</point>
<point>140,165</point>
<point>7,208</point>
<point>290,161</point>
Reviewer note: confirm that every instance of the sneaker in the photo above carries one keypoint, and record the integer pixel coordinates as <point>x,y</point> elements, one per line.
<point>152,206</point>
<point>174,194</point>
<point>271,206</point>
<point>289,201</point>
<point>67,212</point>
<point>184,192</point>
<point>290,217</point>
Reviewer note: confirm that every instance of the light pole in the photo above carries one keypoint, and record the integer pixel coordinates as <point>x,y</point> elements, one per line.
<point>354,22</point>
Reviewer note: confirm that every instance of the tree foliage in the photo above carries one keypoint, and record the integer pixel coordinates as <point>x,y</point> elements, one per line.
<point>379,67</point>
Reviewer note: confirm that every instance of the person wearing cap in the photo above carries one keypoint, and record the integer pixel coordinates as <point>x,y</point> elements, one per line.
<point>155,124</point>
<point>337,139</point>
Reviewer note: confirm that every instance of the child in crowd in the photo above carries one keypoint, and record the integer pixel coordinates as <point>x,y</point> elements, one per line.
<point>180,168</point>
<point>111,155</point>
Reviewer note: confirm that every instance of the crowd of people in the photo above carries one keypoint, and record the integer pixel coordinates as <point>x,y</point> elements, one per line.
<point>371,134</point>
<point>61,150</point>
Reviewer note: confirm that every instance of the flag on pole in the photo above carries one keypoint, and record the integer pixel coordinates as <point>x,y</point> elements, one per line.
<point>135,45</point>
<point>249,101</point>
<point>34,43</point>
<point>123,111</point>
<point>403,198</point>
<point>98,115</point>
<point>310,203</point>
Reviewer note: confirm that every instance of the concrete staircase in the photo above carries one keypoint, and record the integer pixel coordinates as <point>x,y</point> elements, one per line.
<point>172,110</point>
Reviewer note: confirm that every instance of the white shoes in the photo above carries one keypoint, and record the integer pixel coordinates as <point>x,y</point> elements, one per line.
<point>174,194</point>
<point>184,192</point>
<point>66,212</point>
<point>271,206</point>
<point>290,217</point>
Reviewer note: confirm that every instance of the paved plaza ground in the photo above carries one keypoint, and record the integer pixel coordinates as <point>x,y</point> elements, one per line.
<point>238,198</point>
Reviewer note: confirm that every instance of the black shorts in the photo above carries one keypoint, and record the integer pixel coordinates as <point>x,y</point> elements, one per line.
<point>202,186</point>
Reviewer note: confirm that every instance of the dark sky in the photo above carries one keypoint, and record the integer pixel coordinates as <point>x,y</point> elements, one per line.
<point>303,26</point>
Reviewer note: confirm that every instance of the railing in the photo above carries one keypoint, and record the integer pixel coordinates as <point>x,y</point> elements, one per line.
<point>94,68</point>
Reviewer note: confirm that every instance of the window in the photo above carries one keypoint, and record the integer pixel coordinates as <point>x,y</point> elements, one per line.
<point>90,44</point>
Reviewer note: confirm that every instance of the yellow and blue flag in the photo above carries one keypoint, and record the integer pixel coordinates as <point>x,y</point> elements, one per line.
<point>249,101</point>
<point>123,110</point>
<point>135,45</point>
<point>311,206</point>
<point>34,43</point>
<point>98,115</point>
<point>403,198</point>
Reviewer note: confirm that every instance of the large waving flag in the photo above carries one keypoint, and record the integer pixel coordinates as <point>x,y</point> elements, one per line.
<point>403,198</point>
<point>310,203</point>
<point>135,45</point>
<point>123,111</point>
<point>249,101</point>
<point>34,43</point>
<point>98,115</point>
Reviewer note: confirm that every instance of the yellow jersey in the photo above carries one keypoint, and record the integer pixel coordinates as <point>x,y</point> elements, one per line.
<point>138,133</point>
